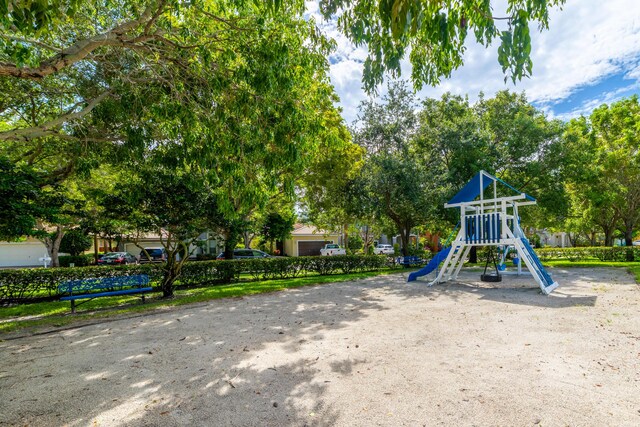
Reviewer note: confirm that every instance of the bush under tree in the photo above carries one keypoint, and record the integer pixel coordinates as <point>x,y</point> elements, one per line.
<point>75,242</point>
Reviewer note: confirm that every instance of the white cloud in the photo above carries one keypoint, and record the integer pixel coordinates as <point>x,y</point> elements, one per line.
<point>587,41</point>
<point>604,98</point>
<point>633,72</point>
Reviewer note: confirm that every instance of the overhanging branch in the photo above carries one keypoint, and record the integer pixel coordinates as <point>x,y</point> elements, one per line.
<point>50,128</point>
<point>82,48</point>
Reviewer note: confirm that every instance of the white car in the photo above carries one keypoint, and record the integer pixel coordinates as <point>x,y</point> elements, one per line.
<point>636,243</point>
<point>383,250</point>
<point>331,249</point>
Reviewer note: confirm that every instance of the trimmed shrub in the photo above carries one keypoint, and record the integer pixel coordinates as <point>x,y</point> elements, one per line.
<point>208,272</point>
<point>78,261</point>
<point>601,253</point>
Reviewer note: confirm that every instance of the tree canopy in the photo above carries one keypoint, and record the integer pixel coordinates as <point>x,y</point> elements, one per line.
<point>433,34</point>
<point>603,170</point>
<point>69,57</point>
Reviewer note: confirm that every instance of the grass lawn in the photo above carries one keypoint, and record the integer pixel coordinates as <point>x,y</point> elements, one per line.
<point>58,313</point>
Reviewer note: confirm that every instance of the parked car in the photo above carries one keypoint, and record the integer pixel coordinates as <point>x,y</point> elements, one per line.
<point>331,249</point>
<point>246,253</point>
<point>383,250</point>
<point>117,258</point>
<point>155,255</point>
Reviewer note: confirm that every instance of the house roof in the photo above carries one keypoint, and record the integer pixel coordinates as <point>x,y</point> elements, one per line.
<point>476,185</point>
<point>310,230</point>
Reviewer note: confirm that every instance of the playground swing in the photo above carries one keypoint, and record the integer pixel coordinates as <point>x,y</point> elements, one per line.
<point>492,221</point>
<point>491,277</point>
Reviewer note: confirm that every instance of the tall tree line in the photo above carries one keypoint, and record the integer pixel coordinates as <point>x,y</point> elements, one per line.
<point>420,153</point>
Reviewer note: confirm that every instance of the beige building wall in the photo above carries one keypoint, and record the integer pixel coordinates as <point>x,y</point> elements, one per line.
<point>291,244</point>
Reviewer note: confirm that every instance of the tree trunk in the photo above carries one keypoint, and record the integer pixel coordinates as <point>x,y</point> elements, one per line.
<point>167,284</point>
<point>473,255</point>
<point>173,268</point>
<point>608,237</point>
<point>628,241</point>
<point>366,238</point>
<point>171,273</point>
<point>404,237</point>
<point>52,243</point>
<point>345,229</point>
<point>95,248</point>
<point>248,238</point>
<point>228,249</point>
<point>53,253</point>
<point>232,237</point>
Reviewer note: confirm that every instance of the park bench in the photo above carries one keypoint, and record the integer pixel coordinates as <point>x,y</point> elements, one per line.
<point>91,288</point>
<point>409,261</point>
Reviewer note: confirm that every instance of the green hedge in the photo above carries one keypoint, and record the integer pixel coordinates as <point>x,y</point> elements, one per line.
<point>601,253</point>
<point>39,283</point>
<point>79,261</point>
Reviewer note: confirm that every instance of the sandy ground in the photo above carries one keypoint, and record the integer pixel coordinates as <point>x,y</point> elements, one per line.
<point>365,353</point>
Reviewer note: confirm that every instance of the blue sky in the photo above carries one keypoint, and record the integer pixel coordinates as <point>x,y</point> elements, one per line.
<point>589,56</point>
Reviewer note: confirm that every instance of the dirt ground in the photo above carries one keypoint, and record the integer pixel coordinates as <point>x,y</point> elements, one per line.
<point>372,352</point>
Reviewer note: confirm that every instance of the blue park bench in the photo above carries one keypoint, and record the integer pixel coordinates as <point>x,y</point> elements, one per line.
<point>73,290</point>
<point>409,261</point>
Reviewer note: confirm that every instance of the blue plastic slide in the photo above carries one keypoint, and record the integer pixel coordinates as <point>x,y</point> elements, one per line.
<point>546,278</point>
<point>433,264</point>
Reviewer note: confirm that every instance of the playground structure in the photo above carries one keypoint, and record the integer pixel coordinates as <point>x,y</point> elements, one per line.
<point>486,221</point>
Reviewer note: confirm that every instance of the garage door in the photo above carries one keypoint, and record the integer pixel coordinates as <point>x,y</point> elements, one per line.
<point>311,248</point>
<point>23,254</point>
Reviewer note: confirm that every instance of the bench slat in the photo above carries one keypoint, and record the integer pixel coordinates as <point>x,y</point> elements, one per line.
<point>111,286</point>
<point>104,294</point>
<point>99,283</point>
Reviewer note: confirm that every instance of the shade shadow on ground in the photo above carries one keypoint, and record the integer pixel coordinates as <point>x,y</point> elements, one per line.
<point>378,351</point>
<point>200,364</point>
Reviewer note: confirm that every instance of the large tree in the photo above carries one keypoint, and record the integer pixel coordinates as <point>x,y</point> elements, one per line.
<point>504,135</point>
<point>31,206</point>
<point>404,188</point>
<point>616,128</point>
<point>277,227</point>
<point>605,167</point>
<point>591,202</point>
<point>173,204</point>
<point>234,92</point>
<point>328,187</point>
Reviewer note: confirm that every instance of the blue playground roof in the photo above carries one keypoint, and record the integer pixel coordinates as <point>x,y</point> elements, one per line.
<point>472,189</point>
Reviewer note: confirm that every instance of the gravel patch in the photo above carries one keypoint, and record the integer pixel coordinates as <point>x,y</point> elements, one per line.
<point>378,351</point>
